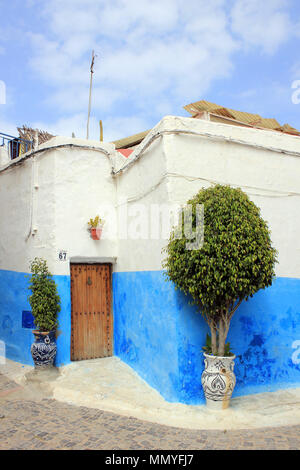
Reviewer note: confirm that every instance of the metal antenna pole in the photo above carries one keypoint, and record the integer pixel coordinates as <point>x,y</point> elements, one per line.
<point>90,95</point>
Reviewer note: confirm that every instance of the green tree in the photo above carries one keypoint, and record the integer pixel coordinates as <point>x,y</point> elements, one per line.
<point>236,260</point>
<point>44,301</point>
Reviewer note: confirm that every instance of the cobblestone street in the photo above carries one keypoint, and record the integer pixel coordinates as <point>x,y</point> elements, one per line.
<point>30,421</point>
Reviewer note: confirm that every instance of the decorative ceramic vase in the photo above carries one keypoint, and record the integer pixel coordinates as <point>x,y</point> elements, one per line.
<point>96,233</point>
<point>218,381</point>
<point>43,350</point>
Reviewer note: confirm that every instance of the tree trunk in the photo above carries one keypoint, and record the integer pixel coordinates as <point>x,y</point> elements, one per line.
<point>213,332</point>
<point>224,324</point>
<point>222,338</point>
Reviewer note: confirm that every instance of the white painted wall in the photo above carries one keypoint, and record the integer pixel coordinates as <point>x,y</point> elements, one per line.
<point>21,210</point>
<point>84,188</point>
<point>270,178</point>
<point>4,158</point>
<point>190,154</point>
<point>140,186</point>
<point>47,200</point>
<point>52,196</point>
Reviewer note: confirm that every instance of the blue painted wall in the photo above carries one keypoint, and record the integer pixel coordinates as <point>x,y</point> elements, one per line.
<point>160,336</point>
<point>13,302</point>
<point>145,329</point>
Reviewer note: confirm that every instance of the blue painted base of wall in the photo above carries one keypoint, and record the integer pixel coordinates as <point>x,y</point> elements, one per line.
<point>13,301</point>
<point>161,336</point>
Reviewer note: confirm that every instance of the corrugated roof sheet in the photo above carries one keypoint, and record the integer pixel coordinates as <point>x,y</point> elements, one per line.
<point>131,140</point>
<point>250,119</point>
<point>289,129</point>
<point>219,114</point>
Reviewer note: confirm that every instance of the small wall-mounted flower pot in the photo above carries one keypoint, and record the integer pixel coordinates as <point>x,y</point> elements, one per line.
<point>96,233</point>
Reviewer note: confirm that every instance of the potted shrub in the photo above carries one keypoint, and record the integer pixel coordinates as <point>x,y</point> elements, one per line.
<point>95,227</point>
<point>45,305</point>
<point>235,261</point>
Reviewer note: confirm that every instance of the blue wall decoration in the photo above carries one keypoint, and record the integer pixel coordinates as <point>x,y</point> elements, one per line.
<point>27,319</point>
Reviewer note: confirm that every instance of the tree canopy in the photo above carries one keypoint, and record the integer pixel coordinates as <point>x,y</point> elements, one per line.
<point>236,260</point>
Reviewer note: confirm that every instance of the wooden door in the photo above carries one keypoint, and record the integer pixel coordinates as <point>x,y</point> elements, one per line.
<point>91,318</point>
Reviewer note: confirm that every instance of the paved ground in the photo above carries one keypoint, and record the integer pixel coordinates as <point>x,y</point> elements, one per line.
<point>108,384</point>
<point>31,420</point>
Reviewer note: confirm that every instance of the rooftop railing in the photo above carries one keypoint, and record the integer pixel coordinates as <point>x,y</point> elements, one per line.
<point>15,145</point>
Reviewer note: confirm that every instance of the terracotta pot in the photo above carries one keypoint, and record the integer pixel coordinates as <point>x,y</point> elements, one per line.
<point>218,381</point>
<point>43,350</point>
<point>96,233</point>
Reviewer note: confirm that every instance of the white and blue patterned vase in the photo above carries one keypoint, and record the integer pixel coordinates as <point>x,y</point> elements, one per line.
<point>43,350</point>
<point>218,381</point>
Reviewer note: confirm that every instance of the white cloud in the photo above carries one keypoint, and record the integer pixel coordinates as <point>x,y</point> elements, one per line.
<point>265,24</point>
<point>75,99</point>
<point>149,53</point>
<point>153,56</point>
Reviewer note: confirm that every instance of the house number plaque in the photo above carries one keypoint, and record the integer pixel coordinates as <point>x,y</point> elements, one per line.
<point>62,255</point>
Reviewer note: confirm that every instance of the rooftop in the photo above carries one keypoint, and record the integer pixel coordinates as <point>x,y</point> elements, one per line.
<point>216,113</point>
<point>219,113</point>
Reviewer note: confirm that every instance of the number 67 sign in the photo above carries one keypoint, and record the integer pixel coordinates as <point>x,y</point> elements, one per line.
<point>62,255</point>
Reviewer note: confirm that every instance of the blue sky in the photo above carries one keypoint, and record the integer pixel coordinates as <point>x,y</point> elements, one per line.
<point>153,57</point>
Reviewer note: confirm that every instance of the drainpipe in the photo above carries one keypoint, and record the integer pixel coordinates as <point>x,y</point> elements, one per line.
<point>35,139</point>
<point>34,188</point>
